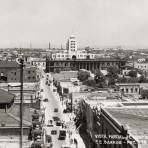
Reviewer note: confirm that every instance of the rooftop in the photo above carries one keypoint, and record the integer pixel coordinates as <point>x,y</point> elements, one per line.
<point>9,64</point>
<point>135,119</point>
<point>11,118</point>
<point>85,60</point>
<point>6,97</point>
<point>65,75</point>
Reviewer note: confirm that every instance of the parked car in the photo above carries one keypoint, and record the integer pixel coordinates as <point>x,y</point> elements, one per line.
<point>55,118</point>
<point>62,135</point>
<point>53,132</point>
<point>45,100</point>
<point>58,123</point>
<point>55,109</point>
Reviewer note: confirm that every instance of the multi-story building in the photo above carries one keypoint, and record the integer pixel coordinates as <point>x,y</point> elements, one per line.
<point>10,72</point>
<point>56,65</point>
<point>72,51</point>
<point>10,122</point>
<point>124,127</point>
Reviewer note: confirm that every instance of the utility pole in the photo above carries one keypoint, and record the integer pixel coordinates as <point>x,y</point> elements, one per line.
<point>21,103</point>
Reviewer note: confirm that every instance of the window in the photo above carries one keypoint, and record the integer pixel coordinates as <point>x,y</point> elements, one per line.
<point>2,74</point>
<point>15,73</point>
<point>28,72</point>
<point>126,90</point>
<point>131,90</point>
<point>136,89</point>
<point>28,78</point>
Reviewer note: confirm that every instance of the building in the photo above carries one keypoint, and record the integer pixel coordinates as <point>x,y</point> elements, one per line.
<point>72,51</point>
<point>128,88</point>
<point>10,122</point>
<point>141,65</point>
<point>10,72</point>
<point>90,104</point>
<point>128,125</point>
<point>30,92</point>
<point>57,65</point>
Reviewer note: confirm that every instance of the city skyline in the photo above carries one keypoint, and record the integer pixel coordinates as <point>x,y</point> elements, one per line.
<point>94,23</point>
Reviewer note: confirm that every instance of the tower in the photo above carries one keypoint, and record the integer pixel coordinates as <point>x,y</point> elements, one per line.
<point>49,45</point>
<point>71,46</point>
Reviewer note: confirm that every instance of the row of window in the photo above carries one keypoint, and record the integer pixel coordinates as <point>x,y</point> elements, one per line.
<point>129,90</point>
<point>108,64</point>
<point>142,66</point>
<point>81,55</point>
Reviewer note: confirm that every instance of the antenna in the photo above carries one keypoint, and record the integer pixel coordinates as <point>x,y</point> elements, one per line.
<point>49,45</point>
<point>30,45</point>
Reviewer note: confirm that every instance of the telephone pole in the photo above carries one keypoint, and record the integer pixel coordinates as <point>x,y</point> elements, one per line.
<point>21,103</point>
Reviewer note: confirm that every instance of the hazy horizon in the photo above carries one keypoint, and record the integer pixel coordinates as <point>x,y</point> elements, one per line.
<point>95,23</point>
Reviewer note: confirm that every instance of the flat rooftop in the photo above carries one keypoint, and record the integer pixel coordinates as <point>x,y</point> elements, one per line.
<point>134,119</point>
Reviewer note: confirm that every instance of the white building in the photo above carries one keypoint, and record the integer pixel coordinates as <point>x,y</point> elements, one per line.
<point>141,66</point>
<point>72,51</point>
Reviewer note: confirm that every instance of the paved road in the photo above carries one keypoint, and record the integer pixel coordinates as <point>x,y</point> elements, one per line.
<point>53,102</point>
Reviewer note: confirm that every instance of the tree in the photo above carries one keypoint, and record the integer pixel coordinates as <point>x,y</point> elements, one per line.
<point>89,83</point>
<point>83,75</point>
<point>142,79</point>
<point>144,94</point>
<point>100,79</point>
<point>111,81</point>
<point>132,73</point>
<point>113,72</point>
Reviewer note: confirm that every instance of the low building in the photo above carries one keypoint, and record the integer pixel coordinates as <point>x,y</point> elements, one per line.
<point>10,122</point>
<point>128,88</point>
<point>127,124</point>
<point>30,92</point>
<point>141,65</point>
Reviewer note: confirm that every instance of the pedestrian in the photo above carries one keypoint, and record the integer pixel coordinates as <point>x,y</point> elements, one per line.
<point>75,142</point>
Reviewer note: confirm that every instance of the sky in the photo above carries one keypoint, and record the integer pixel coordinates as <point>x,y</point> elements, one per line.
<point>94,22</point>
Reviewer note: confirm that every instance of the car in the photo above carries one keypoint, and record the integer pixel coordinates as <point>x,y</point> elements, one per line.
<point>54,132</point>
<point>55,109</point>
<point>62,135</point>
<point>55,118</point>
<point>45,100</point>
<point>58,123</point>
